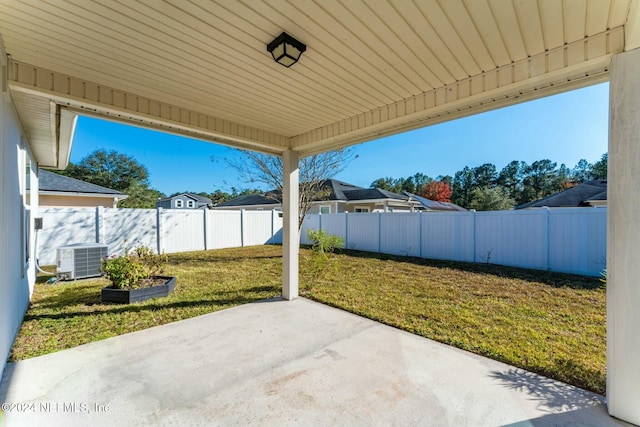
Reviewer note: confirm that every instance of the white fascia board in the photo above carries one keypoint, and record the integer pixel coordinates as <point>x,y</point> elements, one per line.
<point>68,121</point>
<point>92,99</point>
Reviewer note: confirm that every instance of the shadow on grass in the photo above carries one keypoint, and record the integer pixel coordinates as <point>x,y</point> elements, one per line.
<point>244,296</point>
<point>556,280</point>
<point>177,259</point>
<point>549,394</point>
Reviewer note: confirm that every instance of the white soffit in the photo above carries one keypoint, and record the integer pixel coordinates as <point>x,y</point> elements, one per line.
<point>371,68</point>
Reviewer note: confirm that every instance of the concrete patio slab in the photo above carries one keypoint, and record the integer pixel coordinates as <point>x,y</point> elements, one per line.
<point>277,363</point>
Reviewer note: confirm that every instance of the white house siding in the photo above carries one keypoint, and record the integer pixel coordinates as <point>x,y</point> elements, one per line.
<point>17,274</point>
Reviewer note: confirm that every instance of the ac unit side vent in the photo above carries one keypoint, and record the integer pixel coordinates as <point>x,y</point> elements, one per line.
<point>80,260</point>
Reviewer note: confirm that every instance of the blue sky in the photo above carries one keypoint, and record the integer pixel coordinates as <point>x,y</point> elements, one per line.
<point>563,128</point>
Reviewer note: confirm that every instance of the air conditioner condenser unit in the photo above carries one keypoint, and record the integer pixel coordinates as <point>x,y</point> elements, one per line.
<point>80,260</point>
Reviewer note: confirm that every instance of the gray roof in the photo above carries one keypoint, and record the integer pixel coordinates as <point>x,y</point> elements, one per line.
<point>572,197</point>
<point>339,191</point>
<point>436,206</point>
<point>50,181</point>
<point>348,192</point>
<point>249,200</point>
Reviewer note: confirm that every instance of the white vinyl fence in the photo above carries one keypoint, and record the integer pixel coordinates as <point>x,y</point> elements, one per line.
<point>165,230</point>
<point>571,240</point>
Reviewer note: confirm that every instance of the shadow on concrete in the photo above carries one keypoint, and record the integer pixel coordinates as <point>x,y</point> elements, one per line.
<point>7,377</point>
<point>580,417</point>
<point>551,395</point>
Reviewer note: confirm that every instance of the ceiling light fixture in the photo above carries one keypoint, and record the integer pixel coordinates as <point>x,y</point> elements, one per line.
<point>286,50</point>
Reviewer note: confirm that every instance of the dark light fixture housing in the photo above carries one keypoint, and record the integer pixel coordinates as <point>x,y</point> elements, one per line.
<point>286,50</point>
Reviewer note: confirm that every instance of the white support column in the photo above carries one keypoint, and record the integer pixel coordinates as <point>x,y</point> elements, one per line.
<point>623,239</point>
<point>290,235</point>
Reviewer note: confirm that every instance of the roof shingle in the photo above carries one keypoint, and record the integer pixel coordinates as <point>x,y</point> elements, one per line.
<point>50,181</point>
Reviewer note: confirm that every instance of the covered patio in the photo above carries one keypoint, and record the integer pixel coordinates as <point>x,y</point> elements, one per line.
<point>243,366</point>
<point>370,69</point>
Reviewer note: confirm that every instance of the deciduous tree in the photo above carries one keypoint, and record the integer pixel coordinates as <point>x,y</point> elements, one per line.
<point>314,170</point>
<point>436,190</point>
<point>118,172</point>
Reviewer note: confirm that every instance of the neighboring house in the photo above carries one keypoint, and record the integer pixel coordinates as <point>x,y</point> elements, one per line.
<point>342,197</point>
<point>428,205</point>
<point>184,201</point>
<point>587,194</point>
<point>59,191</point>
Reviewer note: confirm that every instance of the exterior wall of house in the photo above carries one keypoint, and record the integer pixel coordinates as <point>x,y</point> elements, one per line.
<point>173,203</point>
<point>17,267</point>
<point>164,204</point>
<point>52,201</point>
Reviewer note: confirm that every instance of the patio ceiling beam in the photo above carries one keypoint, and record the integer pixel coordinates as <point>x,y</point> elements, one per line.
<point>571,66</point>
<point>38,85</point>
<point>632,27</point>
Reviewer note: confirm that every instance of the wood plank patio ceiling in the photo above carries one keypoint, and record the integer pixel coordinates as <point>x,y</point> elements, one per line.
<point>372,67</point>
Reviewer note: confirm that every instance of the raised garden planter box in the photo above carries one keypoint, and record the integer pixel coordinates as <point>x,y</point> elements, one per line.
<point>127,296</point>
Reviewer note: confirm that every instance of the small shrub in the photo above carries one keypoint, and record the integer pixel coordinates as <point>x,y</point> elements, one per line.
<point>603,278</point>
<point>134,269</point>
<point>153,263</point>
<point>324,243</point>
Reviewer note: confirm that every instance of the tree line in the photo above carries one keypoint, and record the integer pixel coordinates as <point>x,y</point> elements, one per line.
<point>485,188</point>
<point>124,173</point>
<point>482,187</point>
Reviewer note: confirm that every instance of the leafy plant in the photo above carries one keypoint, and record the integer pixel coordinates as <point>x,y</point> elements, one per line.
<point>134,269</point>
<point>603,278</point>
<point>323,245</point>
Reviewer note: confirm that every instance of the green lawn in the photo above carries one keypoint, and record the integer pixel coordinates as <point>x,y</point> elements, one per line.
<point>548,323</point>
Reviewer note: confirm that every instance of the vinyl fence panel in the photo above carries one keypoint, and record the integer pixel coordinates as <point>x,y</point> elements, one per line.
<point>571,240</point>
<point>128,228</point>
<point>514,238</point>
<point>61,227</point>
<point>363,232</point>
<point>258,227</point>
<point>448,235</point>
<point>578,241</point>
<point>181,230</point>
<point>335,224</point>
<point>400,234</point>
<point>224,229</point>
<point>311,222</point>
